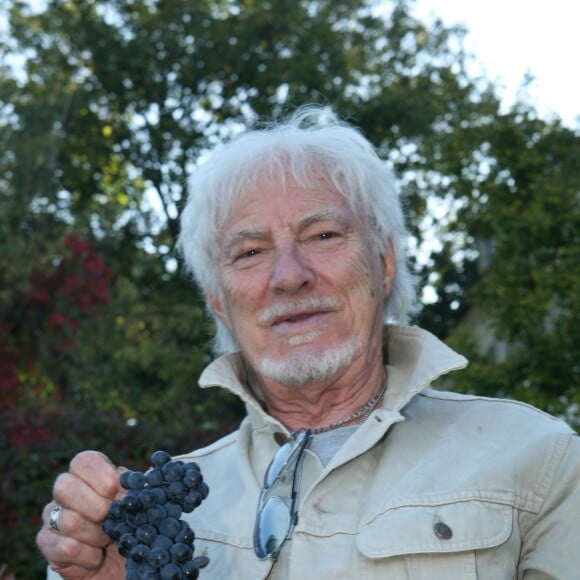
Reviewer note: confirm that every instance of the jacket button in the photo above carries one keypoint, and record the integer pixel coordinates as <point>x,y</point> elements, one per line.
<point>442,531</point>
<point>280,438</point>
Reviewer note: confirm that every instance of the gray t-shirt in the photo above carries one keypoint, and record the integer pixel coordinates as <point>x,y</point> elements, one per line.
<point>326,444</point>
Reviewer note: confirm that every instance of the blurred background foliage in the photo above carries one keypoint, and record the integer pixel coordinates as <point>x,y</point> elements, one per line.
<point>106,106</point>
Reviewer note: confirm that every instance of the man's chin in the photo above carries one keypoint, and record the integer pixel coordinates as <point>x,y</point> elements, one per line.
<point>303,366</point>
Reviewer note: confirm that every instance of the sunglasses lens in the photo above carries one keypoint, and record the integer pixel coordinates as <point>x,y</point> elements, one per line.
<point>278,463</point>
<point>282,458</point>
<point>272,527</point>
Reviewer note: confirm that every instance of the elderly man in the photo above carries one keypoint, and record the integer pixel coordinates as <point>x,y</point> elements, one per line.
<point>348,465</point>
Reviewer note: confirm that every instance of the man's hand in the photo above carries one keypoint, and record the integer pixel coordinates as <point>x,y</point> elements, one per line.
<point>80,548</point>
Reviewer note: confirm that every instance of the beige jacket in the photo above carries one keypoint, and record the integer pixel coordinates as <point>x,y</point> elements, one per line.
<point>502,476</point>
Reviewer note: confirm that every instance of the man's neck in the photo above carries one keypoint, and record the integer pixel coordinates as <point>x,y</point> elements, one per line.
<point>322,404</point>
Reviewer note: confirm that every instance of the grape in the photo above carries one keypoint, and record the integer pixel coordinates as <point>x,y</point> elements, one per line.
<point>148,497</point>
<point>115,510</point>
<point>126,543</point>
<point>140,553</point>
<point>131,503</point>
<point>155,514</point>
<point>120,529</point>
<point>137,480</point>
<point>191,501</point>
<point>171,571</point>
<point>203,489</point>
<point>109,527</point>
<point>176,491</point>
<point>160,495</point>
<point>173,471</point>
<point>173,510</point>
<point>169,527</point>
<point>154,478</point>
<point>146,534</point>
<point>192,478</point>
<point>158,557</point>
<point>160,458</point>
<point>186,535</point>
<point>124,479</point>
<point>146,524</point>
<point>180,553</point>
<point>190,569</point>
<point>162,541</point>
<point>137,519</point>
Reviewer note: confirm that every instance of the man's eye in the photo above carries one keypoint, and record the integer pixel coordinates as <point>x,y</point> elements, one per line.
<point>326,235</point>
<point>247,254</point>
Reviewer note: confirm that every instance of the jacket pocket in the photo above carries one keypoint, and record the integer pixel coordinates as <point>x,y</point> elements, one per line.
<point>438,541</point>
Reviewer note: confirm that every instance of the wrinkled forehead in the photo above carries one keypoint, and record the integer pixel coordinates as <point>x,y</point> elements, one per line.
<point>282,179</point>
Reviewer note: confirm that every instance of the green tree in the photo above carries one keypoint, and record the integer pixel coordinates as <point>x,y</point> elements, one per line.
<point>525,211</point>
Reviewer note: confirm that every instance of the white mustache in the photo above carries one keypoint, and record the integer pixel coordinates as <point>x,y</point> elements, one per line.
<point>271,314</point>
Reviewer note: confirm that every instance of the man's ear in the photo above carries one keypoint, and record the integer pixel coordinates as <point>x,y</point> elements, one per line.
<point>389,268</point>
<point>218,306</point>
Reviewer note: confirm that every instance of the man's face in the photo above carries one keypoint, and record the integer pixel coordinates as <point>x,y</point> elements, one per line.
<point>303,286</point>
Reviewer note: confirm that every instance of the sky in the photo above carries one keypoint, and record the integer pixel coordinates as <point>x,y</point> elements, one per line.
<point>513,37</point>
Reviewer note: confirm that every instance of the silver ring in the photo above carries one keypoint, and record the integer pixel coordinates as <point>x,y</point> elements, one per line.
<point>53,518</point>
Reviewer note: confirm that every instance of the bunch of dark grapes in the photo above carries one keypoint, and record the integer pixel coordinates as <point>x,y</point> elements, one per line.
<point>146,523</point>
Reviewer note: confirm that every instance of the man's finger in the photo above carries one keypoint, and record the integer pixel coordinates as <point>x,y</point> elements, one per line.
<point>65,550</point>
<point>76,494</point>
<point>72,524</point>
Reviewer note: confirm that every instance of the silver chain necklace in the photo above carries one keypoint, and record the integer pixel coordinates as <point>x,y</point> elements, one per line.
<point>363,412</point>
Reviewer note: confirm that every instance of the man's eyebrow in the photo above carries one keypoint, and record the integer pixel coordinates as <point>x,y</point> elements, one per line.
<point>322,216</point>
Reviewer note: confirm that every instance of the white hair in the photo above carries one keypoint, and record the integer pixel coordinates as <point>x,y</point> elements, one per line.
<point>312,142</point>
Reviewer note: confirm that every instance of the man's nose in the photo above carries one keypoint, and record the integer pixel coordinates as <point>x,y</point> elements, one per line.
<point>290,271</point>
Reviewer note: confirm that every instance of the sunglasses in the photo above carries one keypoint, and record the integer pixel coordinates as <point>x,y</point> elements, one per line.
<point>277,513</point>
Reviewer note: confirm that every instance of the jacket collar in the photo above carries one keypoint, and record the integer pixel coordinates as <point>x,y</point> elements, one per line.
<point>415,358</point>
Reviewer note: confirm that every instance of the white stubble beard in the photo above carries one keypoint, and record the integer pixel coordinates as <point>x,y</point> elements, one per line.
<point>301,369</point>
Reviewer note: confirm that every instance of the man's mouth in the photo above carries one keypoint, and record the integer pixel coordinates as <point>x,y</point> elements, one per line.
<point>297,313</point>
<point>296,317</point>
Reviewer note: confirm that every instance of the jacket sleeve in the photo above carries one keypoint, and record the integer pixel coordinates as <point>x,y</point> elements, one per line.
<point>551,537</point>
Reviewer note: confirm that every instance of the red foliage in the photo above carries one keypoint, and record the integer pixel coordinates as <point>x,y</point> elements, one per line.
<point>77,245</point>
<point>53,305</point>
<point>58,319</point>
<point>9,382</point>
<point>80,281</point>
